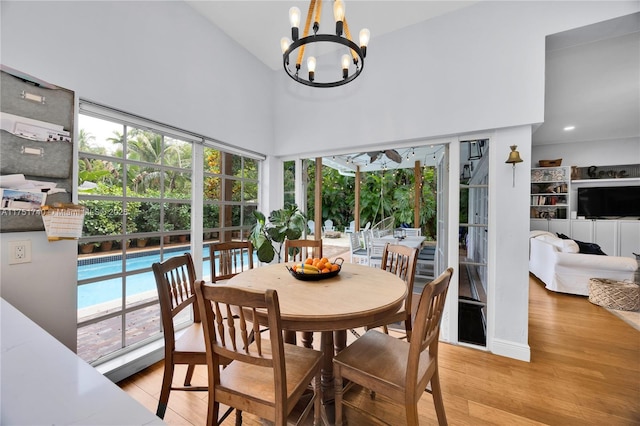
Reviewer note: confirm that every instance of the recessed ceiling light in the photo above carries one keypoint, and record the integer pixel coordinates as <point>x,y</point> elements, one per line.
<point>568,128</point>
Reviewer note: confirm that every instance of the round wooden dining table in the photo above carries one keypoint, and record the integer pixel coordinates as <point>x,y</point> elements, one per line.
<point>358,296</point>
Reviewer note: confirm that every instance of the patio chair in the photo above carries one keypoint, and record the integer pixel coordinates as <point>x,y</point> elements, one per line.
<point>368,360</point>
<point>351,228</point>
<point>412,232</point>
<point>359,253</point>
<point>328,226</point>
<point>312,227</point>
<point>375,248</point>
<point>267,377</point>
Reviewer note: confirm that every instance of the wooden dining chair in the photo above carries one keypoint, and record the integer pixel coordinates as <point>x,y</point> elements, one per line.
<point>397,369</point>
<point>295,250</point>
<point>401,261</point>
<point>175,279</point>
<point>229,259</point>
<point>266,377</point>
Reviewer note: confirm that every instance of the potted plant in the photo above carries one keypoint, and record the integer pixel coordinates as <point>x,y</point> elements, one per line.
<point>100,222</point>
<point>86,248</point>
<point>268,237</point>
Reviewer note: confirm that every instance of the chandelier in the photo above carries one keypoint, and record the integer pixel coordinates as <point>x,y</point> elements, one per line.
<point>354,54</point>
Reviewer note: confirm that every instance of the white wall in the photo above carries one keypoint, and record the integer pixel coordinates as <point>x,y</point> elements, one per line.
<point>590,153</point>
<point>44,290</point>
<point>157,59</point>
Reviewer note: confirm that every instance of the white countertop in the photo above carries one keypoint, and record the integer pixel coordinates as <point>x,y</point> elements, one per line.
<point>43,382</point>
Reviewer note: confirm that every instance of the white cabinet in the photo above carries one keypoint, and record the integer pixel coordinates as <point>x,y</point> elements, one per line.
<point>615,237</point>
<point>551,225</point>
<point>629,231</point>
<point>602,232</point>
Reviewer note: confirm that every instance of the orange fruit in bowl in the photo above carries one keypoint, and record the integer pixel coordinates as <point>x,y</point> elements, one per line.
<point>334,267</point>
<point>325,270</point>
<point>308,261</point>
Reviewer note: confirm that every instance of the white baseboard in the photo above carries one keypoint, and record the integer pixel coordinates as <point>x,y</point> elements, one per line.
<point>511,349</point>
<point>132,362</point>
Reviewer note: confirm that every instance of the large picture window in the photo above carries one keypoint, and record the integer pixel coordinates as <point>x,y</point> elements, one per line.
<point>136,181</point>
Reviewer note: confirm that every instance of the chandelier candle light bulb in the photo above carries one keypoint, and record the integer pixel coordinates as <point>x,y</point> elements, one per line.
<point>311,66</point>
<point>346,59</point>
<point>294,18</point>
<point>365,35</point>
<point>343,42</point>
<point>338,14</point>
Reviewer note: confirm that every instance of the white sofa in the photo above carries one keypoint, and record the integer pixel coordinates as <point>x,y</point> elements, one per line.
<point>559,265</point>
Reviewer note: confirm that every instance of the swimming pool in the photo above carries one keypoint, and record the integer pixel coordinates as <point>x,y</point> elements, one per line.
<point>111,289</point>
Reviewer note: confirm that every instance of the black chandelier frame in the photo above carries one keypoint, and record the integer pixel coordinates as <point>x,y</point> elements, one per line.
<point>319,38</point>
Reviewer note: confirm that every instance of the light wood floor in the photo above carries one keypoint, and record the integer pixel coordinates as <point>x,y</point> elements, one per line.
<point>584,370</point>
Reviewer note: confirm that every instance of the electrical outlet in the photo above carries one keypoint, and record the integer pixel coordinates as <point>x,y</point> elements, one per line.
<point>19,252</point>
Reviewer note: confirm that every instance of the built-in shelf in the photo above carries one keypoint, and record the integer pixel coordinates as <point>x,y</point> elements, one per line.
<point>613,180</point>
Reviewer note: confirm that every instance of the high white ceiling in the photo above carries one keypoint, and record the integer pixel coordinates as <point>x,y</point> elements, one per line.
<point>592,73</point>
<point>259,25</point>
<point>593,83</point>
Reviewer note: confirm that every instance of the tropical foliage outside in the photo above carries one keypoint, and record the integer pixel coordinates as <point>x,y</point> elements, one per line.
<point>383,194</point>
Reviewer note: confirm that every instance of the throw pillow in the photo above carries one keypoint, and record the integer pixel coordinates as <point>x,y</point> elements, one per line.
<point>586,248</point>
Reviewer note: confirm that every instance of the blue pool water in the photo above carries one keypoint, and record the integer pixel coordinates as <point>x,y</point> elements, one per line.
<point>111,289</point>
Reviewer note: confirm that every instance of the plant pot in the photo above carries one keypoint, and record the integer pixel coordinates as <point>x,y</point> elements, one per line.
<point>106,245</point>
<point>86,248</point>
<point>141,242</point>
<point>182,238</point>
<point>166,239</point>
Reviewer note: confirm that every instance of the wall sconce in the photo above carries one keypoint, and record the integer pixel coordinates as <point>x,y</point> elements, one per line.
<point>514,157</point>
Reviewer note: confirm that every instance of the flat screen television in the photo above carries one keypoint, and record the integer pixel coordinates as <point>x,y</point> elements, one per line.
<point>613,201</point>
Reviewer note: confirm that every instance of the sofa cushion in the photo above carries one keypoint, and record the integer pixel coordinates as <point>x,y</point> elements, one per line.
<point>568,246</point>
<point>585,248</point>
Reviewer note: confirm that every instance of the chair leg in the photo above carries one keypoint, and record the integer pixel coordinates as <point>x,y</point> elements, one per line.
<point>212,413</point>
<point>408,330</point>
<point>238,418</point>
<point>436,392</point>
<point>189,375</point>
<point>338,395</point>
<point>317,405</point>
<point>411,411</point>
<point>167,378</point>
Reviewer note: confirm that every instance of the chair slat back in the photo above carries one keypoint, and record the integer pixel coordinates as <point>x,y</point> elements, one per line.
<point>401,261</point>
<point>299,250</point>
<point>175,279</point>
<point>230,258</point>
<point>426,325</point>
<point>230,317</point>
<point>354,241</point>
